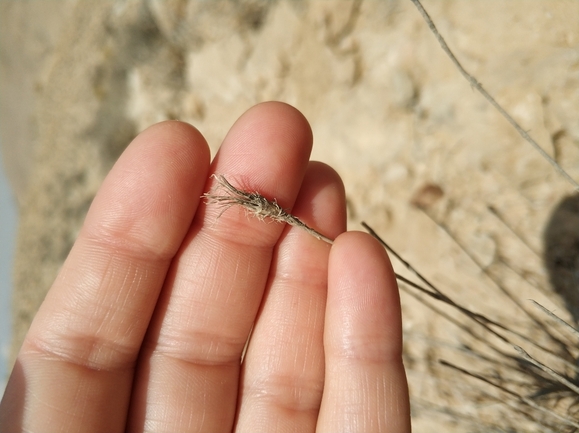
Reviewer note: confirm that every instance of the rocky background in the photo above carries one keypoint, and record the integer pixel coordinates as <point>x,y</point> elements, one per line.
<point>427,162</point>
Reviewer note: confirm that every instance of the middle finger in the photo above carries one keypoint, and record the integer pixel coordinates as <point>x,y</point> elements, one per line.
<point>188,374</point>
<point>283,371</point>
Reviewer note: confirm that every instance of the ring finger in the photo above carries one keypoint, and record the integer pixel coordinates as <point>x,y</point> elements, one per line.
<point>283,373</point>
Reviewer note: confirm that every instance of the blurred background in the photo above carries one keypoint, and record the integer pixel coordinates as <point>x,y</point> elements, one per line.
<point>7,238</point>
<point>426,161</point>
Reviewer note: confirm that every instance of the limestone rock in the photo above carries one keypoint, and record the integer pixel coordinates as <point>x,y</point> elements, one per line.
<point>388,109</point>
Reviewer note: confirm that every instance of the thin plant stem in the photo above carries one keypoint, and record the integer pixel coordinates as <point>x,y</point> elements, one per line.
<point>474,83</point>
<point>522,399</point>
<point>557,318</point>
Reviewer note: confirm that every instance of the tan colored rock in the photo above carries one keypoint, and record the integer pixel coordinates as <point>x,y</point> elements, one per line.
<point>388,109</point>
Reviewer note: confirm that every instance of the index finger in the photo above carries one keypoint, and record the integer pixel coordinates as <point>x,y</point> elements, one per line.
<point>77,360</point>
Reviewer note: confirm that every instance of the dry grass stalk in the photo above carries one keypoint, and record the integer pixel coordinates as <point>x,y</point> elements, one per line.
<point>536,391</point>
<point>474,83</point>
<point>256,205</point>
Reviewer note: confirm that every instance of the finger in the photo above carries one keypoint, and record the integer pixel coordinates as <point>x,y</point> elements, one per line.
<point>283,373</point>
<point>365,384</point>
<point>75,368</point>
<point>188,378</point>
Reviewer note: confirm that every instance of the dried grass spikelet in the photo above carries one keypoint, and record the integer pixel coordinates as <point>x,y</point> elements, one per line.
<point>256,205</point>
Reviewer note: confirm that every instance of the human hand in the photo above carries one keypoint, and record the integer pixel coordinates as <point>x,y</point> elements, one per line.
<point>145,325</point>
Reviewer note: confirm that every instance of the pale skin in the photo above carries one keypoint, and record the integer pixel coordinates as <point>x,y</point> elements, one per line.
<point>145,325</point>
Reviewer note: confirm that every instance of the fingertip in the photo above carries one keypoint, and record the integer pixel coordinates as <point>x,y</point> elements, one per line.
<point>365,243</point>
<point>272,141</point>
<point>321,202</point>
<point>171,141</point>
<point>155,184</point>
<point>356,255</point>
<point>362,292</point>
<point>281,118</point>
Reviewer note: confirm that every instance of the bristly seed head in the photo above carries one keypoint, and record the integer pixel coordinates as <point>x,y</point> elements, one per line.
<point>256,205</point>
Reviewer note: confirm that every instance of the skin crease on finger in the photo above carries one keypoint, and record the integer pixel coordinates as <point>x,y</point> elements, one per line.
<point>149,316</point>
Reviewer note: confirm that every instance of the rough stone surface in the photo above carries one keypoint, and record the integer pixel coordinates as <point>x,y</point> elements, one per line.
<point>425,159</point>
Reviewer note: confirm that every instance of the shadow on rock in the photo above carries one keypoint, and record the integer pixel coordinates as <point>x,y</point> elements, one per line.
<point>561,252</point>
